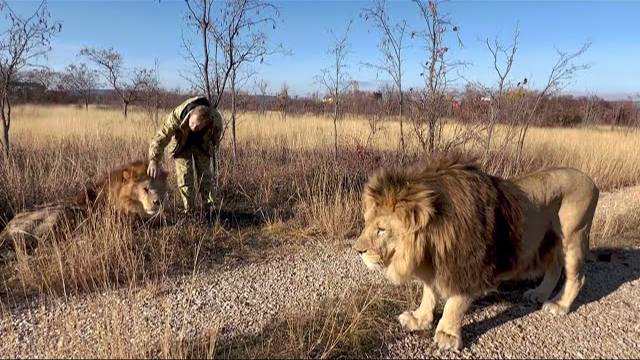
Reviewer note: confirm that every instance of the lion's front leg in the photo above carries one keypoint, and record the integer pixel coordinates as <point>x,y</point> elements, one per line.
<point>448,334</point>
<point>422,317</point>
<point>542,292</point>
<point>132,207</point>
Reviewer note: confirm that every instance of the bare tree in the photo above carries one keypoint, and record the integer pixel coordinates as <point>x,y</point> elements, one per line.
<point>283,99</point>
<point>432,103</point>
<point>335,78</point>
<point>152,95</point>
<point>198,17</point>
<point>590,110</point>
<point>502,58</point>
<point>81,80</point>
<point>375,120</point>
<point>24,40</point>
<point>563,71</point>
<point>128,88</point>
<point>391,46</point>
<point>43,76</point>
<point>142,83</point>
<point>262,88</point>
<point>231,37</point>
<point>240,35</point>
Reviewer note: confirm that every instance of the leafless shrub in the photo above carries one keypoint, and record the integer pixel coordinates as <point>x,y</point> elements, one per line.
<point>391,46</point>
<point>335,79</point>
<point>25,40</point>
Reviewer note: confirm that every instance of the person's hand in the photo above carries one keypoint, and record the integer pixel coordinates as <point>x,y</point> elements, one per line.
<point>153,168</point>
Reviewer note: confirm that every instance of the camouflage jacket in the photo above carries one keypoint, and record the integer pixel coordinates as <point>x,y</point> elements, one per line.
<point>175,130</point>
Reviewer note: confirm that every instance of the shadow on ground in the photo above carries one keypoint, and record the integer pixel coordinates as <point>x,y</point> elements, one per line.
<point>352,326</point>
<point>613,268</point>
<point>308,336</point>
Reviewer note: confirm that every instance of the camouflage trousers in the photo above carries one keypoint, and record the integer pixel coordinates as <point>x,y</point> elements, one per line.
<point>186,161</point>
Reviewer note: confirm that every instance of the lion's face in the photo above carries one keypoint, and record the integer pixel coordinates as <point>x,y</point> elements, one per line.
<point>150,193</point>
<point>388,244</point>
<point>378,241</point>
<point>138,193</point>
<point>396,212</point>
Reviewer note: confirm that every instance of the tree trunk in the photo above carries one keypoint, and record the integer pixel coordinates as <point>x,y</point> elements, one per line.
<point>492,120</point>
<point>205,48</point>
<point>402,146</point>
<point>86,104</point>
<point>125,108</point>
<point>523,135</point>
<point>432,137</point>
<point>335,127</point>
<point>5,112</point>
<point>233,114</point>
<point>5,138</point>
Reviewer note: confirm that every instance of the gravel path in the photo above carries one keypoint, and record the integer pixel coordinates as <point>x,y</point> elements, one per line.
<point>604,324</point>
<point>243,299</point>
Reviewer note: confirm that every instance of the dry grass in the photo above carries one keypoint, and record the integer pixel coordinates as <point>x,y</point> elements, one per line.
<point>617,220</point>
<point>350,326</point>
<point>286,185</point>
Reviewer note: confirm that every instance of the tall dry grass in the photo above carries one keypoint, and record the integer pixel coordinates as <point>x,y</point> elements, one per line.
<point>609,156</point>
<point>286,185</point>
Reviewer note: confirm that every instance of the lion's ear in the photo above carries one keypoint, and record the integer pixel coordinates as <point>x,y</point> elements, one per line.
<point>416,207</point>
<point>126,175</point>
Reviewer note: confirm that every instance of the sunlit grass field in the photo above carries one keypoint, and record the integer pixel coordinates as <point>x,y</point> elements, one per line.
<point>287,182</point>
<point>611,157</point>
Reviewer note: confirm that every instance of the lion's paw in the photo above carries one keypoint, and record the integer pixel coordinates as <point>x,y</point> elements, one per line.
<point>411,323</point>
<point>447,341</point>
<point>554,308</point>
<point>535,296</point>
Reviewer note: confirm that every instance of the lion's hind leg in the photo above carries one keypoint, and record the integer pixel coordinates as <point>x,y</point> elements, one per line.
<point>422,317</point>
<point>574,257</point>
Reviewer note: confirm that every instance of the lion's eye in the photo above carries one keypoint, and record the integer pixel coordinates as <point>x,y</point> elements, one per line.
<point>381,231</point>
<point>146,189</point>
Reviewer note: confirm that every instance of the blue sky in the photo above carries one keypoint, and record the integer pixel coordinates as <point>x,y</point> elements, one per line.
<point>145,30</point>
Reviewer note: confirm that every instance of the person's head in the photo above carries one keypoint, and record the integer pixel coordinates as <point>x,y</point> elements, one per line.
<point>199,118</point>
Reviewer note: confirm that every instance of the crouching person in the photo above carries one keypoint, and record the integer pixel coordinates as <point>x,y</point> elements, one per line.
<point>193,131</point>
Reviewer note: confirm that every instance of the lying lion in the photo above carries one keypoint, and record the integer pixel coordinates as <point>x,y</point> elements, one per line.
<point>461,231</point>
<point>128,190</point>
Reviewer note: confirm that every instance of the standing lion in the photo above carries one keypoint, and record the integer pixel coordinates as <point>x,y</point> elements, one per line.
<point>461,231</point>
